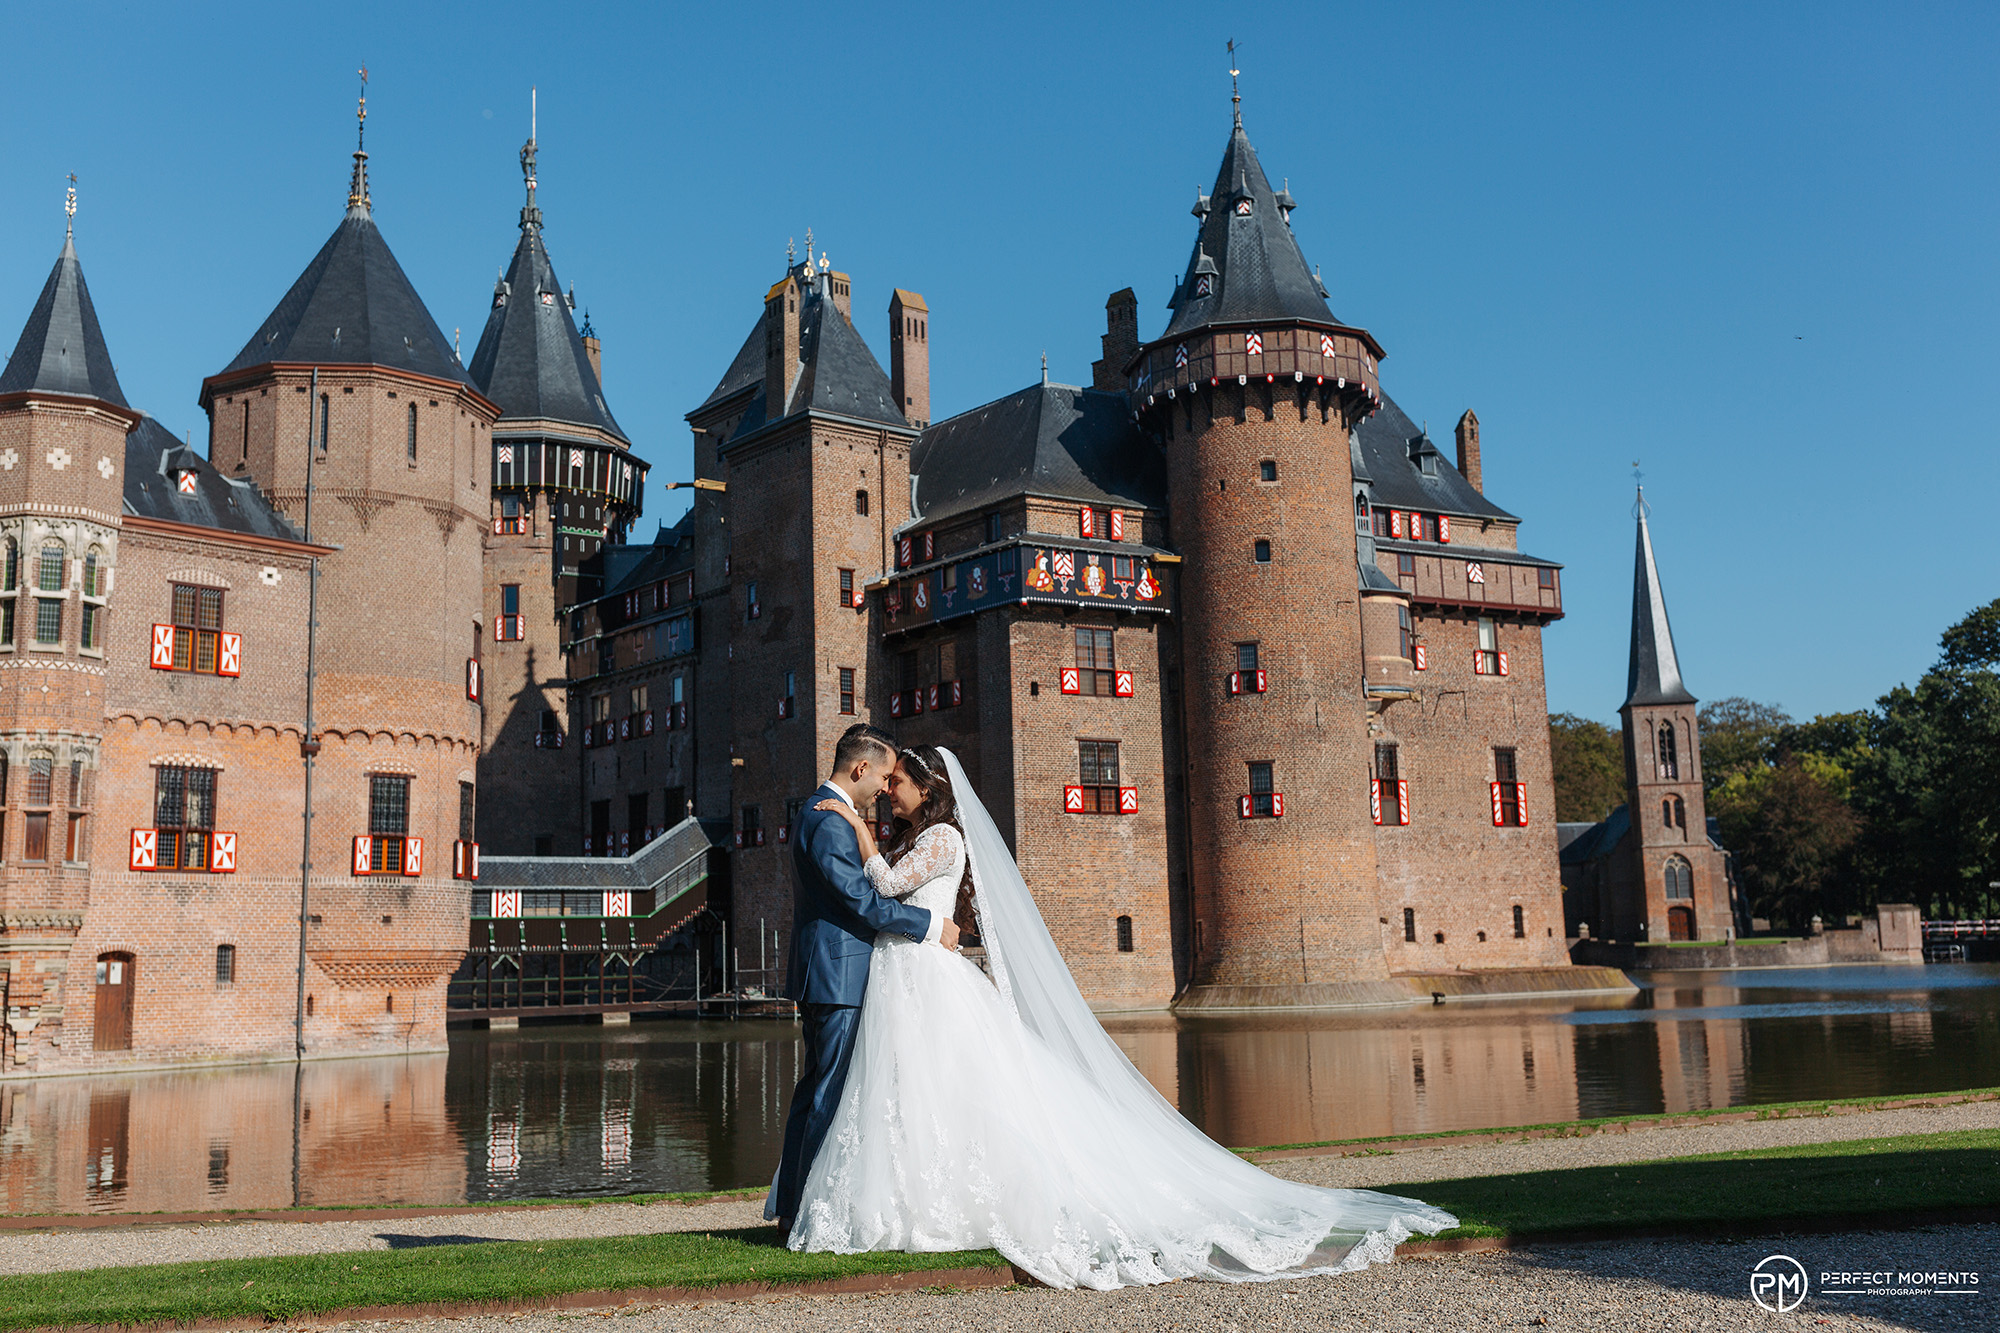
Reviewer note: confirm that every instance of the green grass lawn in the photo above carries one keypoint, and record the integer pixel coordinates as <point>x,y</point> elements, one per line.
<point>281,1287</point>
<point>1914,1176</point>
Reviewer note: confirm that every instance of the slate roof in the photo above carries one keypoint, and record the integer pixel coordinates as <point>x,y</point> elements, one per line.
<point>646,868</point>
<point>1259,271</point>
<point>1595,840</point>
<point>1047,439</point>
<point>153,460</point>
<point>62,347</point>
<point>1653,674</point>
<point>530,359</point>
<point>353,305</point>
<point>611,570</point>
<point>1391,446</point>
<point>836,373</point>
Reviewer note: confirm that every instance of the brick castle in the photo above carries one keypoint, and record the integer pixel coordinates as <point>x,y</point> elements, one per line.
<point>1248,670</point>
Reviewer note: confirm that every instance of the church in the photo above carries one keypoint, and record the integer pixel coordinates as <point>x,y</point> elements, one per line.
<point>1247,669</point>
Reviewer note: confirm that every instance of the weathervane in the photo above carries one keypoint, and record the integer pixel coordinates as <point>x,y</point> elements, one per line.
<point>1639,506</point>
<point>791,252</point>
<point>69,209</point>
<point>357,189</point>
<point>809,252</point>
<point>1235,97</point>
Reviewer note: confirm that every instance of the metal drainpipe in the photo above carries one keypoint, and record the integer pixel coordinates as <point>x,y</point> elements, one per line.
<point>309,743</point>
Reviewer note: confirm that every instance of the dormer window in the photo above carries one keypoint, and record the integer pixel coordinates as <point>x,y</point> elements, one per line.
<point>1204,285</point>
<point>1243,207</point>
<point>548,298</point>
<point>184,481</point>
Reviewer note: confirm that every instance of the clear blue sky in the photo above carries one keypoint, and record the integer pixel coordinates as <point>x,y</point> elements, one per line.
<point>1752,246</point>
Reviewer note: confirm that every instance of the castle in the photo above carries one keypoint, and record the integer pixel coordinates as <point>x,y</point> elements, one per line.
<point>1248,671</point>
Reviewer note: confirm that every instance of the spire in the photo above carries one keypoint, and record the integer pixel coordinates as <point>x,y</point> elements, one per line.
<point>357,186</point>
<point>62,349</point>
<point>1235,96</point>
<point>531,216</point>
<point>1655,673</point>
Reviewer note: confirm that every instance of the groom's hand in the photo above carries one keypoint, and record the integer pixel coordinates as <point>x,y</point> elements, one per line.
<point>948,934</point>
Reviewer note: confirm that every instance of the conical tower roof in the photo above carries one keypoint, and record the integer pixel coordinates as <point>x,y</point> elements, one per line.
<point>1246,264</point>
<point>1654,676</point>
<point>530,359</point>
<point>62,348</point>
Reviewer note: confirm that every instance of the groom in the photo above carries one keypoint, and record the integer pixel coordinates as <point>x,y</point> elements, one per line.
<point>835,916</point>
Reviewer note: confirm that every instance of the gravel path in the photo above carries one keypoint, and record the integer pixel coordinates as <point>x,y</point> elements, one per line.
<point>1627,1287</point>
<point>46,1251</point>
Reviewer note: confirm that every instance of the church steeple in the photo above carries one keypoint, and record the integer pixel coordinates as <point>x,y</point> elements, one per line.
<point>62,349</point>
<point>1654,673</point>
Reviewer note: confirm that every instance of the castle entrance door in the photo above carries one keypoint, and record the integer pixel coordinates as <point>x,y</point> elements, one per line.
<point>1680,923</point>
<point>114,1002</point>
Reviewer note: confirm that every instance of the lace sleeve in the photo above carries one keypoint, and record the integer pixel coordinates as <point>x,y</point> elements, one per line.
<point>932,855</point>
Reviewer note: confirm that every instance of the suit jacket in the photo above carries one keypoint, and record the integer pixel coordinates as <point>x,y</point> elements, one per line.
<point>836,912</point>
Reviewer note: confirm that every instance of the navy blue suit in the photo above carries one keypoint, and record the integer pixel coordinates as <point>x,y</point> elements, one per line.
<point>836,914</point>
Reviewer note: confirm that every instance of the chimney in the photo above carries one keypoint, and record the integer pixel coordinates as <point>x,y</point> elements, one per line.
<point>781,345</point>
<point>837,287</point>
<point>593,350</point>
<point>1121,341</point>
<point>1468,450</point>
<point>910,355</point>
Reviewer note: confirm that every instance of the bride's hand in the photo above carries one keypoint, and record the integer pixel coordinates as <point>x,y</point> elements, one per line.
<point>863,834</point>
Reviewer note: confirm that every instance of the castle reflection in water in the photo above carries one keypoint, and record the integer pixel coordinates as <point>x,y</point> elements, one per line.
<point>580,1111</point>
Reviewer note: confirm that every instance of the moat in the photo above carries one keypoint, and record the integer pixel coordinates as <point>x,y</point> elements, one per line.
<point>683,1105</point>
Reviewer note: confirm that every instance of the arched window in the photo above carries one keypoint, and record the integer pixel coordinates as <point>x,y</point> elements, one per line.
<point>1680,879</point>
<point>49,570</point>
<point>225,964</point>
<point>861,503</point>
<point>93,572</point>
<point>1124,934</point>
<point>325,418</point>
<point>1669,752</point>
<point>412,446</point>
<point>246,428</point>
<point>13,574</point>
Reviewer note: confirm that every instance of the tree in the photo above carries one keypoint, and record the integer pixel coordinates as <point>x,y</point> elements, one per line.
<point>1738,736</point>
<point>1791,831</point>
<point>1589,762</point>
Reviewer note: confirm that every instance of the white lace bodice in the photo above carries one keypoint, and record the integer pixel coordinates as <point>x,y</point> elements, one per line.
<point>929,873</point>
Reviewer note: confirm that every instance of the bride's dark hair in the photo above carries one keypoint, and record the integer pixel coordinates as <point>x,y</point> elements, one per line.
<point>940,806</point>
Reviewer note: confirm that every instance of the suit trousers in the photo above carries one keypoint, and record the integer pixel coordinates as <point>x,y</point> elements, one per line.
<point>829,1045</point>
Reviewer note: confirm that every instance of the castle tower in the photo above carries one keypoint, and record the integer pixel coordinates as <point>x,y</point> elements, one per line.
<point>564,484</point>
<point>1254,387</point>
<point>1677,887</point>
<point>351,378</point>
<point>63,423</point>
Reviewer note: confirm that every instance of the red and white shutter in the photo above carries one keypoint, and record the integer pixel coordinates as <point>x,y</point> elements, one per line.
<point>1478,662</point>
<point>934,698</point>
<point>1253,343</point>
<point>163,647</point>
<point>472,679</point>
<point>507,903</point>
<point>1374,798</point>
<point>1072,681</point>
<point>896,704</point>
<point>646,723</point>
<point>1277,805</point>
<point>1498,820</point>
<point>1521,803</point>
<point>1121,684</point>
<point>1072,800</point>
<point>229,655</point>
<point>222,853</point>
<point>1402,800</point>
<point>902,552</point>
<point>1128,800</point>
<point>1236,682</point>
<point>1395,522</point>
<point>1086,520</point>
<point>1503,663</point>
<point>930,545</point>
<point>618,902</point>
<point>413,856</point>
<point>1243,807</point>
<point>364,848</point>
<point>1444,528</point>
<point>145,849</point>
<point>957,693</point>
<point>1423,658</point>
<point>1263,680</point>
<point>1117,525</point>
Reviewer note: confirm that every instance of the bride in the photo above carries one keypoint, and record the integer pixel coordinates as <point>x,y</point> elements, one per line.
<point>998,1113</point>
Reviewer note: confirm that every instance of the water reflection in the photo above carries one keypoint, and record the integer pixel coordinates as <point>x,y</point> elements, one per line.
<point>691,1106</point>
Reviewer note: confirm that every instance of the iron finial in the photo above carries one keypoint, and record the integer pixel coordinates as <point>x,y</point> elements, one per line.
<point>357,187</point>
<point>69,209</point>
<point>1235,96</point>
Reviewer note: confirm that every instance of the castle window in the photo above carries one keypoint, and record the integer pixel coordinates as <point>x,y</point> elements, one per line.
<point>1388,773</point>
<point>79,798</point>
<point>1267,470</point>
<point>225,964</point>
<point>1409,925</point>
<point>1246,657</point>
<point>12,576</point>
<point>1404,647</point>
<point>48,620</point>
<point>197,618</point>
<point>1673,813</point>
<point>1095,668</point>
<point>467,805</point>
<point>861,503</point>
<point>1545,577</point>
<point>1505,777</point>
<point>1378,521</point>
<point>512,520</point>
<point>246,428</point>
<point>35,845</point>
<point>388,821</point>
<point>846,689</point>
<point>993,529</point>
<point>1124,934</point>
<point>1263,784</point>
<point>325,419</point>
<point>1520,923</point>
<point>1680,879</point>
<point>1406,565</point>
<point>847,588</point>
<point>1097,774</point>
<point>93,572</point>
<point>1489,647</point>
<point>411,446</point>
<point>1261,551</point>
<point>1669,755</point>
<point>49,569</point>
<point>184,813</point>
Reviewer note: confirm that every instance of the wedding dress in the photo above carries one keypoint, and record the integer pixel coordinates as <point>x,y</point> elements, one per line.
<point>998,1113</point>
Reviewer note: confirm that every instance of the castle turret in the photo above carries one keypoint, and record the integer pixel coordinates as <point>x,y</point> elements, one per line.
<point>1255,387</point>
